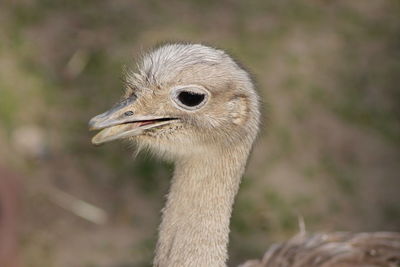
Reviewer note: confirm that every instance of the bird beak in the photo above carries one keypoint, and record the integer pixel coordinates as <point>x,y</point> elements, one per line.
<point>121,122</point>
<point>118,114</point>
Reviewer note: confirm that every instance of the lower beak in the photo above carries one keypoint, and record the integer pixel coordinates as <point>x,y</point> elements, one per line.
<point>128,129</point>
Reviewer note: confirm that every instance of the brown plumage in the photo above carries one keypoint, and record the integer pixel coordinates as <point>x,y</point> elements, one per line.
<point>340,249</point>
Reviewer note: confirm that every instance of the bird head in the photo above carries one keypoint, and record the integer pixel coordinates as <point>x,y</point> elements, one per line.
<point>182,99</point>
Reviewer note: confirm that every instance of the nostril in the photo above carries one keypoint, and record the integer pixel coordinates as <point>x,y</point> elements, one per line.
<point>128,113</point>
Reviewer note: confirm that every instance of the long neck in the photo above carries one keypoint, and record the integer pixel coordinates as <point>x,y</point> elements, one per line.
<point>195,226</point>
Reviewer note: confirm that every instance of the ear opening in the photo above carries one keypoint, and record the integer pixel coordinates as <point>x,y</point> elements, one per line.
<point>239,109</point>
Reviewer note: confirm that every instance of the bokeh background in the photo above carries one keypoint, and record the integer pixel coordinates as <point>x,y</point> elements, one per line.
<point>329,75</point>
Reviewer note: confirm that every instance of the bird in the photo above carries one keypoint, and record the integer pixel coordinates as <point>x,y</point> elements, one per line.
<point>194,105</point>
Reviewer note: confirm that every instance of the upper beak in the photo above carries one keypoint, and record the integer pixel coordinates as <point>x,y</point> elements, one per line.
<point>120,121</point>
<point>118,114</point>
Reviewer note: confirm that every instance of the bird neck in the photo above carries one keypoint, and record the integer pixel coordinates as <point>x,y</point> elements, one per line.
<point>195,224</point>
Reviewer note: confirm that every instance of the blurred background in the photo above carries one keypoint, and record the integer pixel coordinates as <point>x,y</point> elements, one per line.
<point>329,75</point>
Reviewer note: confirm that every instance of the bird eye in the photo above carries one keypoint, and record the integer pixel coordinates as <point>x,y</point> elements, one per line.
<point>190,98</point>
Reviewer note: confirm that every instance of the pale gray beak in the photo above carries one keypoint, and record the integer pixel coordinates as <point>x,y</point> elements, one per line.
<point>121,122</point>
<point>116,115</point>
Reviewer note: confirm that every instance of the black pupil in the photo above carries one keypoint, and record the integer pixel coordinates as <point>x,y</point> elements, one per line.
<point>190,99</point>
